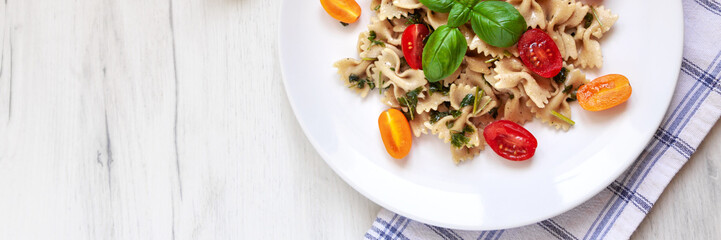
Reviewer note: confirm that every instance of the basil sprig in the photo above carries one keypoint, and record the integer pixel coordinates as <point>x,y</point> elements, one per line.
<point>443,53</point>
<point>495,22</point>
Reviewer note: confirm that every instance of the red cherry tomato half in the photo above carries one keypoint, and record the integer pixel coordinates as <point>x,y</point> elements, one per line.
<point>540,53</point>
<point>412,43</point>
<point>510,140</point>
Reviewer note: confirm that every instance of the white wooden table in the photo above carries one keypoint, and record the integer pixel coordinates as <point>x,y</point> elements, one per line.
<point>144,119</point>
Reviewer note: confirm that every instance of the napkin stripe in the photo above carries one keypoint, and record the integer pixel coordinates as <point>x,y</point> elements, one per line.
<point>490,235</point>
<point>636,198</point>
<point>445,233</point>
<point>698,95</point>
<point>556,230</point>
<point>679,144</point>
<point>711,6</point>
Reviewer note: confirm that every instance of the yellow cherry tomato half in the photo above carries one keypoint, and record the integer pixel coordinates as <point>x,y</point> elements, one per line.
<point>346,11</point>
<point>604,92</point>
<point>396,133</point>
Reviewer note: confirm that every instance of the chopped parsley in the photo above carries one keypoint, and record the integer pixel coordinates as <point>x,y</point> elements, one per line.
<point>437,116</point>
<point>494,112</point>
<point>437,87</point>
<point>456,113</point>
<point>459,139</point>
<point>468,100</point>
<point>587,20</point>
<point>372,37</point>
<point>561,76</point>
<point>414,18</point>
<point>571,91</point>
<point>378,7</point>
<point>410,101</point>
<point>360,83</point>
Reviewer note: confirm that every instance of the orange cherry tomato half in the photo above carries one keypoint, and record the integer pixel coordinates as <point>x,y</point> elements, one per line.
<point>510,140</point>
<point>346,11</point>
<point>540,53</point>
<point>412,41</point>
<point>396,133</point>
<point>604,92</point>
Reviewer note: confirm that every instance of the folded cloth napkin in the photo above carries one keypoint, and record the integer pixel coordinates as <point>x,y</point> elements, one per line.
<point>617,210</point>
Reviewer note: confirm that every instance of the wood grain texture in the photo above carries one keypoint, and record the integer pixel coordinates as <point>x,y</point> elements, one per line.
<point>168,119</point>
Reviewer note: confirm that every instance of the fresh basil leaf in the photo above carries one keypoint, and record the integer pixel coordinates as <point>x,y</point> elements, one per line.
<point>443,6</point>
<point>443,53</point>
<point>461,12</point>
<point>498,23</point>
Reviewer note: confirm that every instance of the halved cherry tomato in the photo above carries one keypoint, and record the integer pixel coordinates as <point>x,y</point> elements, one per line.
<point>412,43</point>
<point>510,140</point>
<point>346,11</point>
<point>539,53</point>
<point>604,92</point>
<point>396,133</point>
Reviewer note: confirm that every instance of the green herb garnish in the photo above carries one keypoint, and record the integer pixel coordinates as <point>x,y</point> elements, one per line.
<point>561,76</point>
<point>593,10</point>
<point>468,129</point>
<point>414,18</point>
<point>443,53</point>
<point>587,20</point>
<point>507,53</point>
<point>380,82</point>
<point>459,139</point>
<point>410,101</point>
<point>437,116</point>
<point>564,118</point>
<point>437,87</point>
<point>494,112</point>
<point>491,60</point>
<point>378,7</point>
<point>571,91</point>
<point>484,106</point>
<point>372,37</point>
<point>468,100</point>
<point>497,23</point>
<point>455,113</point>
<point>477,99</point>
<point>369,59</point>
<point>360,83</point>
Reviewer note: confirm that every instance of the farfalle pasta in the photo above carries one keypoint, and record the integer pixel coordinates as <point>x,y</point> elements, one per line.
<point>491,84</point>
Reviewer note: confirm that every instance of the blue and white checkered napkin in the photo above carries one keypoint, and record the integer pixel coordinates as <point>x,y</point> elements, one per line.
<point>617,210</point>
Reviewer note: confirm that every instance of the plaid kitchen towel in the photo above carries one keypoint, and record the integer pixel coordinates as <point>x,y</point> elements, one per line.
<point>617,210</point>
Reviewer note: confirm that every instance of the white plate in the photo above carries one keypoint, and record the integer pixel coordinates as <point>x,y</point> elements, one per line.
<point>487,192</point>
